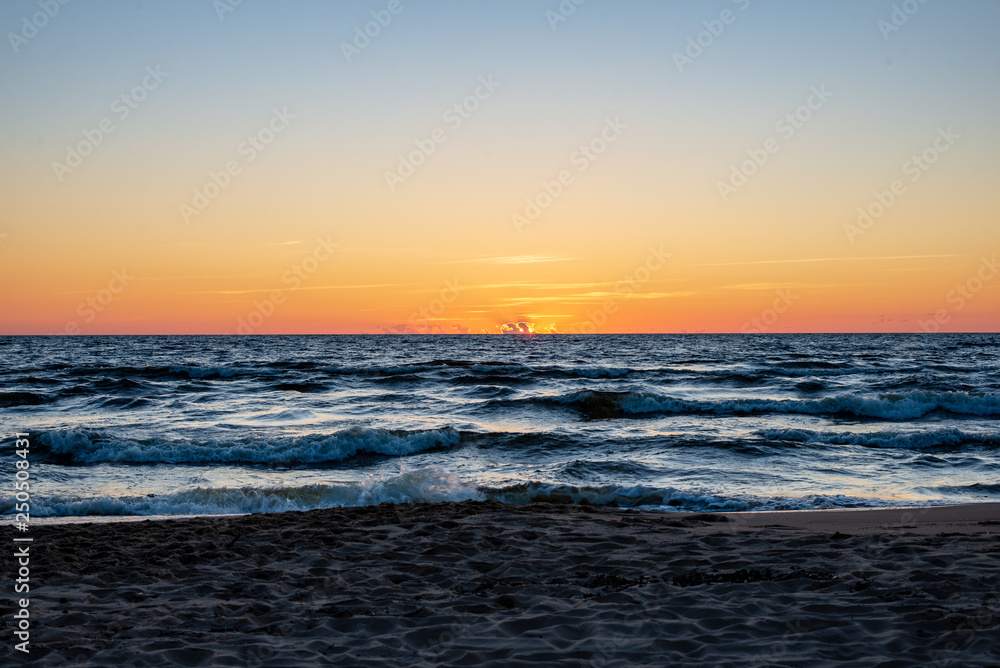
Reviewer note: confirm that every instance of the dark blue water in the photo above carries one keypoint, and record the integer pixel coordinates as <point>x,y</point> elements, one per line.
<point>180,425</point>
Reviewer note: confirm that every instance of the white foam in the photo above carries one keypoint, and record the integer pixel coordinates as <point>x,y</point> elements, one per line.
<point>894,406</point>
<point>424,485</point>
<point>88,447</point>
<point>949,437</point>
<point>672,499</point>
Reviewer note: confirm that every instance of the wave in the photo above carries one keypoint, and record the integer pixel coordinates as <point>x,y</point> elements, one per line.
<point>90,447</point>
<point>890,406</point>
<point>475,366</point>
<point>80,447</point>
<point>12,399</point>
<point>119,385</point>
<point>172,372</point>
<point>975,489</point>
<point>598,371</point>
<point>814,364</point>
<point>425,485</point>
<point>490,379</point>
<point>318,376</point>
<point>581,468</point>
<point>124,403</point>
<point>928,439</point>
<point>272,368</point>
<point>301,387</point>
<point>810,386</point>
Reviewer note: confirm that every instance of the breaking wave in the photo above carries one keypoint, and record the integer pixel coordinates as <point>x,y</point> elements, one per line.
<point>924,439</point>
<point>91,447</point>
<point>888,406</point>
<point>426,485</point>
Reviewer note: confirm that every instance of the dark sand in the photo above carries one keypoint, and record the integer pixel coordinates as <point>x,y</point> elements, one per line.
<point>481,583</point>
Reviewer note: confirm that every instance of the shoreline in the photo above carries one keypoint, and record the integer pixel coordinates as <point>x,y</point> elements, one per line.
<point>125,519</point>
<point>485,583</point>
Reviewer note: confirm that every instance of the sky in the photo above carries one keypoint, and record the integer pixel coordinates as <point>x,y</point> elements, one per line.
<point>200,167</point>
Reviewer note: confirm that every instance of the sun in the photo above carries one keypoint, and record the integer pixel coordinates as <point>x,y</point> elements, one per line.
<point>520,327</point>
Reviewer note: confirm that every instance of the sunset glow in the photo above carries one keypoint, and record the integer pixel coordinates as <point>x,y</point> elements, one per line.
<point>429,181</point>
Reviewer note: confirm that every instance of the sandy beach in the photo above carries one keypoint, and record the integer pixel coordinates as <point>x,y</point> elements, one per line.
<point>483,583</point>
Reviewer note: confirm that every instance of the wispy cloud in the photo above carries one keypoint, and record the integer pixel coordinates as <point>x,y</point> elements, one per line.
<point>202,244</point>
<point>588,297</point>
<point>780,286</point>
<point>301,288</point>
<point>511,259</point>
<point>828,259</point>
<point>184,277</point>
<point>538,286</point>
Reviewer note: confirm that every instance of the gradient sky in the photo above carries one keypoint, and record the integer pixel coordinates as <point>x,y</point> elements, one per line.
<point>440,250</point>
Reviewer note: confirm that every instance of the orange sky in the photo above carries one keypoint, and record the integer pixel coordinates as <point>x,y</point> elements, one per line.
<point>268,189</point>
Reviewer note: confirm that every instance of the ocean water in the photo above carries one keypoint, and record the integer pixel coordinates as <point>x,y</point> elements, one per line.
<point>163,425</point>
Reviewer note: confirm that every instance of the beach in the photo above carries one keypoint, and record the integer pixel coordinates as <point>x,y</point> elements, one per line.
<point>482,583</point>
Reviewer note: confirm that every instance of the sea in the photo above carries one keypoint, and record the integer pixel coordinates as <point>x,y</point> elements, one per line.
<point>125,427</point>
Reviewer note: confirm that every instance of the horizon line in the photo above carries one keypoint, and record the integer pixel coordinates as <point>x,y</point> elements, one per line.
<point>520,334</point>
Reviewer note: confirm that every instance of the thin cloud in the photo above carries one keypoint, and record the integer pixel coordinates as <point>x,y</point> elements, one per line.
<point>301,288</point>
<point>827,259</point>
<point>590,297</point>
<point>511,259</point>
<point>540,286</point>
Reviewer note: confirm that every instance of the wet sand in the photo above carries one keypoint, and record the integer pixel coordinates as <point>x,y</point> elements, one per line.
<point>482,583</point>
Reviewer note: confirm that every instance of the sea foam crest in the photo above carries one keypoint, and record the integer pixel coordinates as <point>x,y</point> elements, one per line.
<point>936,438</point>
<point>672,499</point>
<point>88,447</point>
<point>891,406</point>
<point>424,485</point>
